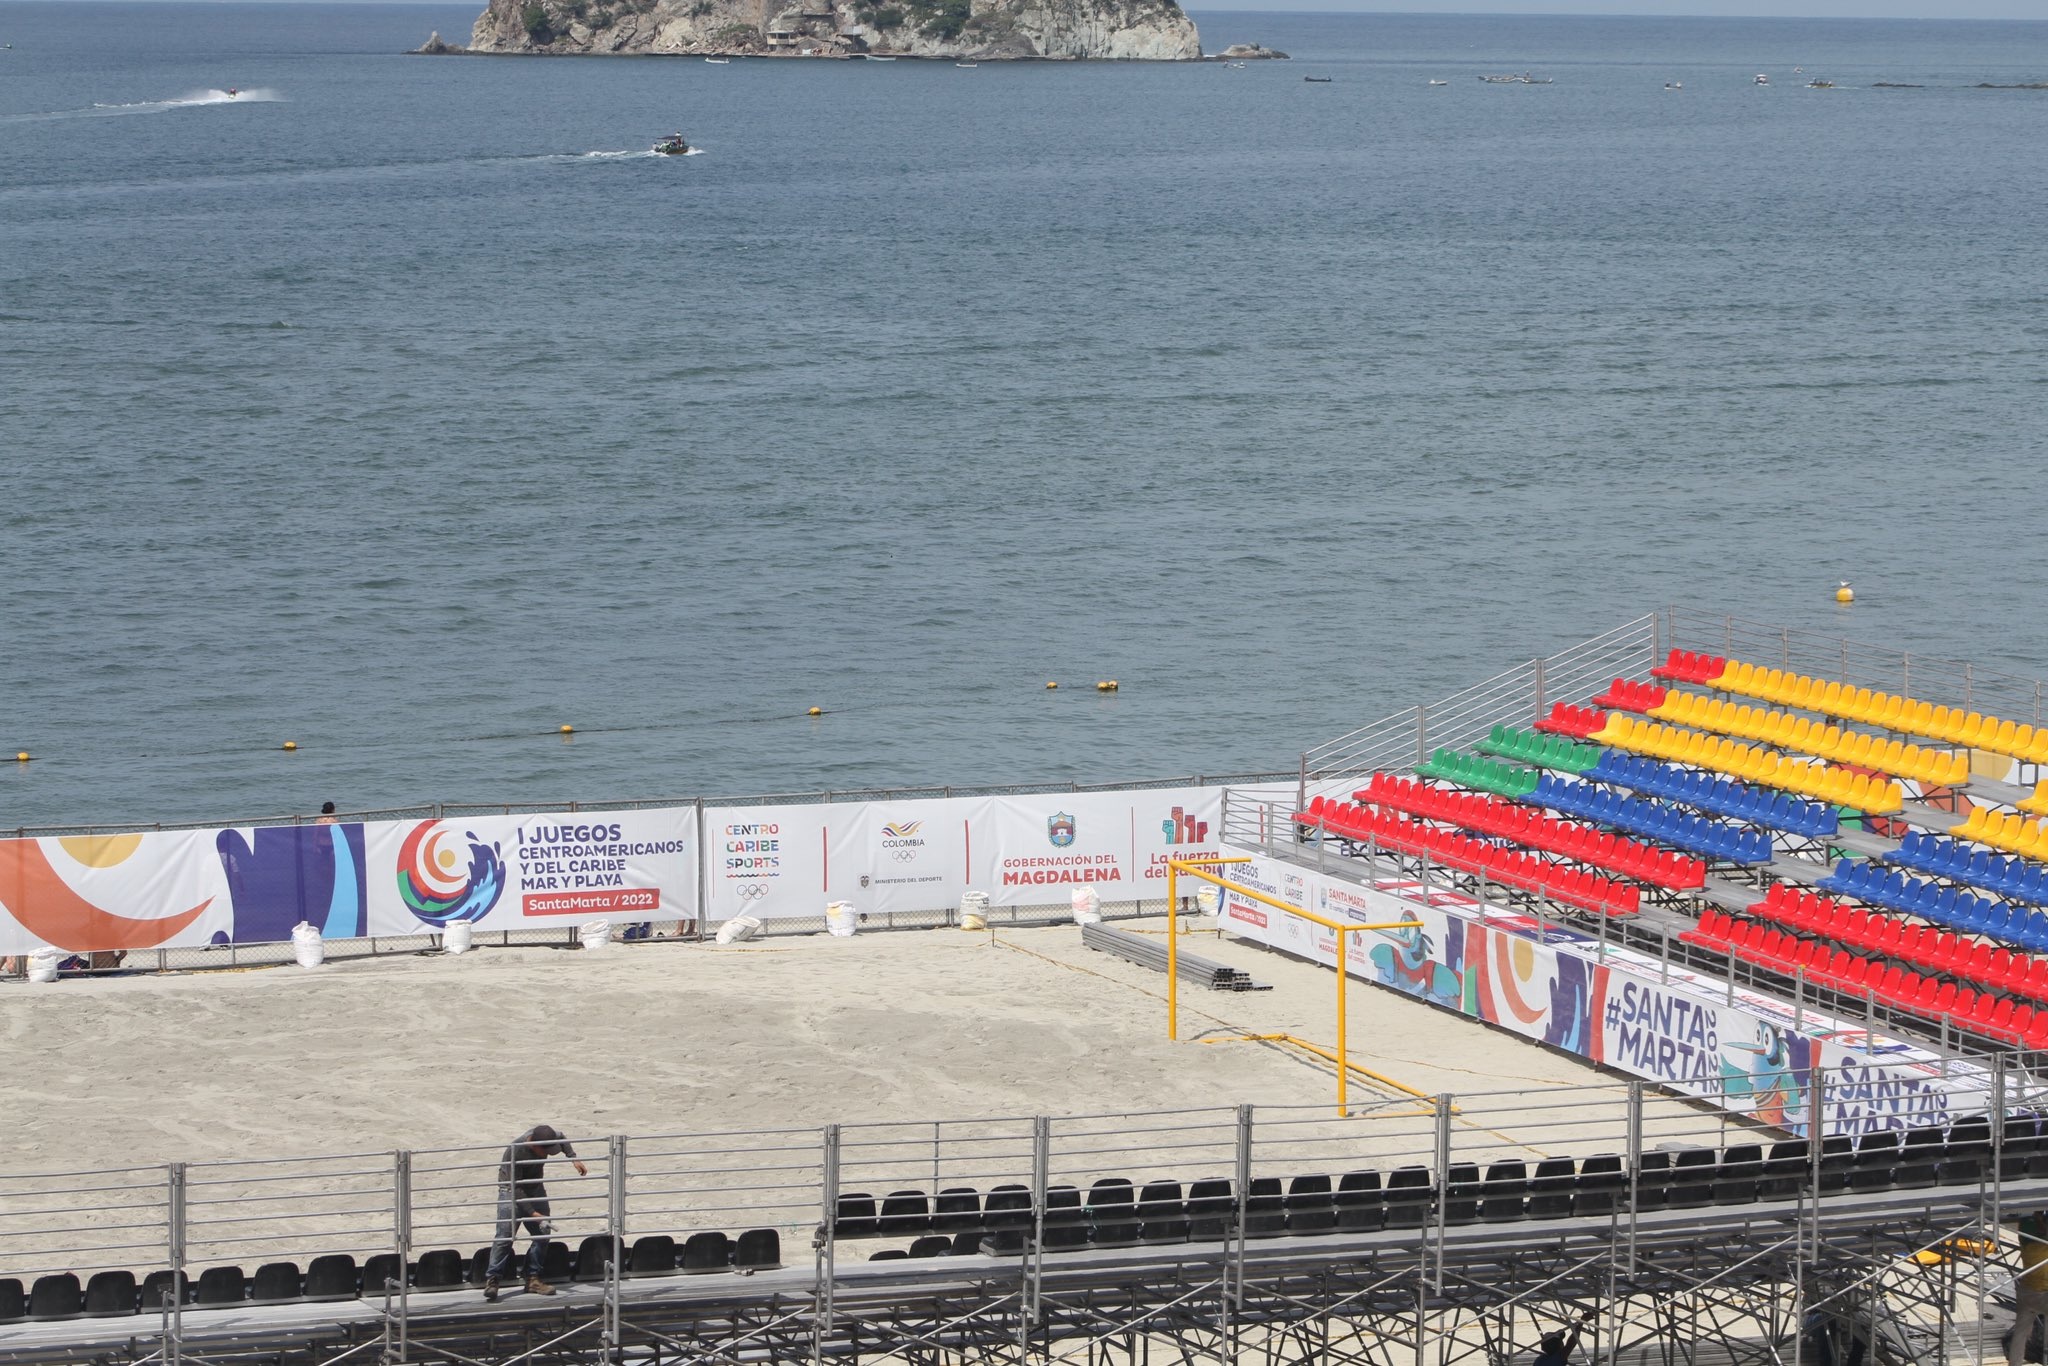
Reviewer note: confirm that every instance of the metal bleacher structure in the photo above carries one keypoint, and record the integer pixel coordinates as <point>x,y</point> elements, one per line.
<point>1411,1231</point>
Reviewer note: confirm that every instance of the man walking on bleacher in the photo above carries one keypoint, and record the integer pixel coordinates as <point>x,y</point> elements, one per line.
<point>523,1199</point>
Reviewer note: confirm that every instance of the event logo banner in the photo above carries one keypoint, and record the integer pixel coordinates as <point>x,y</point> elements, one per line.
<point>902,856</point>
<point>769,861</point>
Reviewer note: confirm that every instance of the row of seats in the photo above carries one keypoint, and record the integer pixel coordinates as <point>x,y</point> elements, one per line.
<point>1983,1014</point>
<point>1532,829</point>
<point>1625,694</point>
<point>1680,829</point>
<point>1923,946</point>
<point>1888,711</point>
<point>1957,861</point>
<point>1803,735</point>
<point>1470,770</point>
<point>1577,722</point>
<point>1765,767</point>
<point>115,1294</point>
<point>2004,830</point>
<point>1950,906</point>
<point>1540,751</point>
<point>1118,1212</point>
<point>1723,796</point>
<point>1685,666</point>
<point>1570,886</point>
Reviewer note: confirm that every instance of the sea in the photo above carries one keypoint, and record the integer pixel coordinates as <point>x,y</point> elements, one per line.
<point>407,409</point>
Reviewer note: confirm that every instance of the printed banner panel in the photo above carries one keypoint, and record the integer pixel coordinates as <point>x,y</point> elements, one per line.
<point>1690,1033</point>
<point>768,861</point>
<point>524,872</point>
<point>1032,850</point>
<point>107,892</point>
<point>902,856</point>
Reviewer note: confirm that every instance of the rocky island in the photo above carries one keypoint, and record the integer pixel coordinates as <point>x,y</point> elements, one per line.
<point>982,30</point>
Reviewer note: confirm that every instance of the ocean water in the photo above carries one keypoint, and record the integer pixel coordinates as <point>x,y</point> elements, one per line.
<point>400,409</point>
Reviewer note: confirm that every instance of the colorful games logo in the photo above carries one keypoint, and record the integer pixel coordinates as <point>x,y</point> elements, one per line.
<point>441,883</point>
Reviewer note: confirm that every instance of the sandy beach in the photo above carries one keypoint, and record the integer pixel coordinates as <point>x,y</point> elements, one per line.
<point>740,1054</point>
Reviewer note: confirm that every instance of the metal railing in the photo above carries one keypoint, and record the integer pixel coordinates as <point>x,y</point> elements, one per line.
<point>1519,696</point>
<point>1949,682</point>
<point>184,1216</point>
<point>456,810</point>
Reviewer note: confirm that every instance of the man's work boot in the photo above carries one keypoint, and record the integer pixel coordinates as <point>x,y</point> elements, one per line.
<point>536,1286</point>
<point>490,1290</point>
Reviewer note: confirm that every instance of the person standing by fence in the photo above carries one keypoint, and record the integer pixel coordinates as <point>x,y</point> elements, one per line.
<point>523,1199</point>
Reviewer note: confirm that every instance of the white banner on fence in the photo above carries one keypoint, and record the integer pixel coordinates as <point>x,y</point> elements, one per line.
<point>1042,848</point>
<point>1624,1009</point>
<point>901,856</point>
<point>767,861</point>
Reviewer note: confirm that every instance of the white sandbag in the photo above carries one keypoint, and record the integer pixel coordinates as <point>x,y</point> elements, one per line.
<point>974,910</point>
<point>42,965</point>
<point>306,946</point>
<point>841,919</point>
<point>1087,907</point>
<point>1206,899</point>
<point>738,929</point>
<point>457,936</point>
<point>596,934</point>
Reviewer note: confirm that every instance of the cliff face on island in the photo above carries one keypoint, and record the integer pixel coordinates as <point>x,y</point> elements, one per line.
<point>1136,30</point>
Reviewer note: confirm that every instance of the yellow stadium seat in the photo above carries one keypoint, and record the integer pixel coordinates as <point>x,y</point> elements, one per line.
<point>1971,731</point>
<point>2008,735</point>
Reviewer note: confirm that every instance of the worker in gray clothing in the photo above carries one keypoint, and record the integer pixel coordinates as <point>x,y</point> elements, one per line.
<point>523,1199</point>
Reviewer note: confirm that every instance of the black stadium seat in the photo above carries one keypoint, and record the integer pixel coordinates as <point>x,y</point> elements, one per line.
<point>957,1209</point>
<point>1311,1206</point>
<point>13,1304</point>
<point>1162,1217</point>
<point>220,1287</point>
<point>1920,1157</point>
<point>1550,1190</point>
<point>158,1284</point>
<point>1742,1166</point>
<point>1408,1195</point>
<point>653,1255</point>
<point>905,1214</point>
<point>1360,1208</point>
<point>1602,1187</point>
<point>56,1297</point>
<point>758,1249</point>
<point>706,1252</point>
<point>1837,1160</point>
<point>1212,1210</point>
<point>1265,1208</point>
<point>1653,1176</point>
<point>382,1275</point>
<point>479,1268</point>
<point>593,1256</point>
<point>888,1254</point>
<point>1008,1207</point>
<point>854,1216</point>
<point>2018,1143</point>
<point>558,1266</point>
<point>1003,1242</point>
<point>438,1270</point>
<point>1691,1184</point>
<point>110,1295</point>
<point>1968,1159</point>
<point>932,1245</point>
<point>1504,1195</point>
<point>1461,1193</point>
<point>277,1283</point>
<point>1066,1222</point>
<point>332,1277</point>
<point>1113,1213</point>
<point>1876,1163</point>
<point>1787,1171</point>
<point>968,1243</point>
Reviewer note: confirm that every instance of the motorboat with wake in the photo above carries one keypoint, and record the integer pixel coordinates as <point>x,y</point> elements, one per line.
<point>719,61</point>
<point>1434,81</point>
<point>672,146</point>
<point>1761,79</point>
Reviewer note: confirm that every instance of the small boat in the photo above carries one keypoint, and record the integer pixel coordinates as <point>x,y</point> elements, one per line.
<point>965,64</point>
<point>1674,85</point>
<point>1317,80</point>
<point>873,58</point>
<point>1818,84</point>
<point>1762,79</point>
<point>719,61</point>
<point>672,146</point>
<point>232,92</point>
<point>1434,81</point>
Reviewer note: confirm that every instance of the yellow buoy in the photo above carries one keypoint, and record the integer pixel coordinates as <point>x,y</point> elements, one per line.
<point>21,758</point>
<point>815,711</point>
<point>1114,685</point>
<point>1844,593</point>
<point>1051,685</point>
<point>1103,686</point>
<point>291,744</point>
<point>568,729</point>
